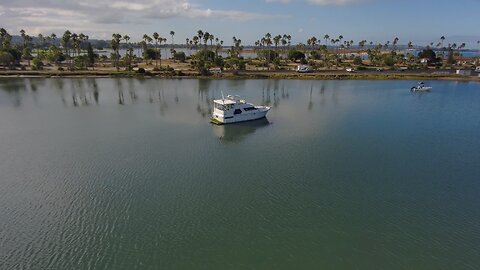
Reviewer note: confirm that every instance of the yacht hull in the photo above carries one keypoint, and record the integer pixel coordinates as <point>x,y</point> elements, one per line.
<point>219,119</point>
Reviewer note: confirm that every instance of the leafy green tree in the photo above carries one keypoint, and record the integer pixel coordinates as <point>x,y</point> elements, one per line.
<point>37,64</point>
<point>179,56</point>
<point>429,54</point>
<point>236,48</point>
<point>4,39</point>
<point>315,55</point>
<point>27,55</point>
<point>150,54</point>
<point>357,60</point>
<point>81,62</point>
<point>6,58</point>
<point>269,55</point>
<point>295,55</point>
<point>389,61</point>
<point>16,53</point>
<point>451,58</point>
<point>54,54</point>
<point>91,56</point>
<point>235,63</point>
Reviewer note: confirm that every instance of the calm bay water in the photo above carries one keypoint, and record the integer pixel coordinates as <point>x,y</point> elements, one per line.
<point>129,174</point>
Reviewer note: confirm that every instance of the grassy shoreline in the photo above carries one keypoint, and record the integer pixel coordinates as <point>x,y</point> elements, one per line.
<point>244,75</point>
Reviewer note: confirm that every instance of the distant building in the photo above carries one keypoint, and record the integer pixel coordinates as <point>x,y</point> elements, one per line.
<point>464,72</point>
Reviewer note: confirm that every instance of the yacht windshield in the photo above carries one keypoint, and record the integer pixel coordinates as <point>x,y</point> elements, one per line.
<point>220,107</point>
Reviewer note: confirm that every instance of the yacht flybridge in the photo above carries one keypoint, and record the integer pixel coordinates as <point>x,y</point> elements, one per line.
<point>233,109</point>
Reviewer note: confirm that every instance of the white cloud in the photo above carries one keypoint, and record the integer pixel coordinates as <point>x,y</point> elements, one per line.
<point>129,6</point>
<point>278,1</point>
<point>331,2</point>
<point>316,2</point>
<point>37,16</point>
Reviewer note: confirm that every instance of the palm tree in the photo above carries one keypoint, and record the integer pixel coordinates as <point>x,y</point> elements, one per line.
<point>66,41</point>
<point>195,41</point>
<point>361,44</point>
<point>276,41</point>
<point>74,43</point>
<point>200,34</point>
<point>26,47</point>
<point>24,37</point>
<point>211,38</point>
<point>284,42</point>
<point>478,45</point>
<point>156,37</point>
<point>314,42</point>
<point>172,33</point>
<point>206,36</point>
<point>3,34</point>
<point>129,54</point>
<point>41,42</point>
<point>164,40</point>
<point>53,36</point>
<point>115,43</point>
<point>442,39</point>
<point>81,39</point>
<point>395,41</point>
<point>268,42</point>
<point>340,38</point>
<point>146,40</point>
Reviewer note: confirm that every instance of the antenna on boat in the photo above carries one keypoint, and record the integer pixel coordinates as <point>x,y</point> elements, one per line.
<point>223,98</point>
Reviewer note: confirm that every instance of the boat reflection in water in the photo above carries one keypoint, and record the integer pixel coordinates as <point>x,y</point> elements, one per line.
<point>238,131</point>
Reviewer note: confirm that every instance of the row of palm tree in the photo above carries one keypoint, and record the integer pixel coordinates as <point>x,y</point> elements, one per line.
<point>70,40</point>
<point>73,43</point>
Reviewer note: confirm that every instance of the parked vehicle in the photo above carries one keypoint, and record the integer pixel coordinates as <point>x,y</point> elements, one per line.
<point>304,69</point>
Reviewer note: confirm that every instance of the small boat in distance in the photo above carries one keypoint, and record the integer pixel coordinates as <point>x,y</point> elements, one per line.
<point>233,109</point>
<point>421,87</point>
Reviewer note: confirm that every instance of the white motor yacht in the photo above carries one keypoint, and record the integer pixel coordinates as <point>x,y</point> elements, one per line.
<point>233,109</point>
<point>421,87</point>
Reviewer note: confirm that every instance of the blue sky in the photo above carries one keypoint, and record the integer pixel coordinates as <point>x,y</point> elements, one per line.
<point>420,21</point>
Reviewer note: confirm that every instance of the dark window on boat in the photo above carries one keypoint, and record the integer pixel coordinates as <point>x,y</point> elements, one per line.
<point>249,109</point>
<point>228,117</point>
<point>237,111</point>
<point>220,107</point>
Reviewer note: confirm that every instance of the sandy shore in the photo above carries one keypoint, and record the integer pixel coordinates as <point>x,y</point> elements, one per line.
<point>319,75</point>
